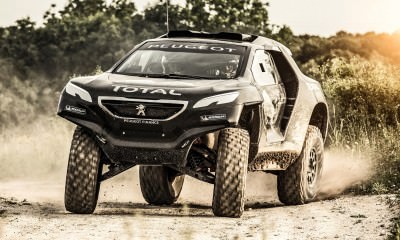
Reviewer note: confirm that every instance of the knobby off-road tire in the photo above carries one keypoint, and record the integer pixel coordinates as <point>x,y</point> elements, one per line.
<point>231,172</point>
<point>299,183</point>
<point>160,185</point>
<point>83,174</point>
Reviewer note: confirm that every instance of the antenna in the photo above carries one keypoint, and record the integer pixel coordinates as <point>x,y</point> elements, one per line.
<point>166,3</point>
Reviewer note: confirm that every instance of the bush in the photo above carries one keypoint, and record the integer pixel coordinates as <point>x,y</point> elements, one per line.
<point>364,102</point>
<point>23,100</point>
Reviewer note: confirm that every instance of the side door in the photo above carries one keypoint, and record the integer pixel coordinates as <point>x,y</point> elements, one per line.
<point>269,83</point>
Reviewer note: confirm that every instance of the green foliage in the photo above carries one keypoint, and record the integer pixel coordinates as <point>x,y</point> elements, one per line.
<point>361,90</point>
<point>247,16</point>
<point>364,104</point>
<point>75,40</point>
<point>23,101</point>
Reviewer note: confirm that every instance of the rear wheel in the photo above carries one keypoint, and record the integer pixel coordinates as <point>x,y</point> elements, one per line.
<point>83,174</point>
<point>299,183</point>
<point>160,185</point>
<point>231,172</point>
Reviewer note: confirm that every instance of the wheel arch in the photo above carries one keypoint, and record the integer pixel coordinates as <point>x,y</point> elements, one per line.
<point>251,119</point>
<point>320,118</point>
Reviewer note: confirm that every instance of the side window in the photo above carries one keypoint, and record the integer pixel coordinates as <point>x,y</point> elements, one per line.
<point>264,70</point>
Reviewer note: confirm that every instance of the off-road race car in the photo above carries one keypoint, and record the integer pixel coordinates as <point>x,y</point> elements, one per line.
<point>209,105</point>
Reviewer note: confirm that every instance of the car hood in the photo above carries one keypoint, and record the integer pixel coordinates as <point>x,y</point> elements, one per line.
<point>109,84</point>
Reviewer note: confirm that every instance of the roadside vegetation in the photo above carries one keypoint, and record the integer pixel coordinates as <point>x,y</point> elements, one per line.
<point>360,73</point>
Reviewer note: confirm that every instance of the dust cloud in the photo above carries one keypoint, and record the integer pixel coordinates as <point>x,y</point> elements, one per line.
<point>34,161</point>
<point>37,150</point>
<point>344,168</point>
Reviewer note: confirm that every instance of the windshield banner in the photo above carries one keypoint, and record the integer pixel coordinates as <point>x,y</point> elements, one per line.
<point>194,47</point>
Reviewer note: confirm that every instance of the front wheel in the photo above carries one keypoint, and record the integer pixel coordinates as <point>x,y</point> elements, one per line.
<point>160,185</point>
<point>299,183</point>
<point>83,174</point>
<point>231,172</point>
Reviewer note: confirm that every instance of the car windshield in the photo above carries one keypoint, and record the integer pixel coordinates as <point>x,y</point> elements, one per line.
<point>184,60</point>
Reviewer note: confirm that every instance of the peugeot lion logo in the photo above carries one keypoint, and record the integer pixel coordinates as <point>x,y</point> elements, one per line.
<point>140,110</point>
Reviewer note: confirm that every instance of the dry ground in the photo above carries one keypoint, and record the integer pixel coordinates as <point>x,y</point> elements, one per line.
<point>122,214</point>
<point>32,172</point>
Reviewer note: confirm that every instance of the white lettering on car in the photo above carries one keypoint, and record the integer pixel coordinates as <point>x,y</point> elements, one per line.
<point>129,89</point>
<point>116,88</point>
<point>192,46</point>
<point>172,92</point>
<point>230,49</point>
<point>153,46</point>
<point>74,109</point>
<point>219,49</point>
<point>142,121</point>
<point>162,91</point>
<point>144,90</point>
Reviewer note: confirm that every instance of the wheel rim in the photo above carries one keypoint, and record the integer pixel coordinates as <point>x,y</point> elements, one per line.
<point>312,167</point>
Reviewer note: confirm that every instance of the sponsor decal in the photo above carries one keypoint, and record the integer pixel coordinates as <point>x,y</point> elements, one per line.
<point>74,109</point>
<point>194,47</point>
<point>130,89</point>
<point>142,121</point>
<point>214,117</point>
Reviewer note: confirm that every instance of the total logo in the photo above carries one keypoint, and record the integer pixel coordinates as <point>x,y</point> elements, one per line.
<point>129,89</point>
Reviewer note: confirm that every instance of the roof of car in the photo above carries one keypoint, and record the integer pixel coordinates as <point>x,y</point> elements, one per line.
<point>238,38</point>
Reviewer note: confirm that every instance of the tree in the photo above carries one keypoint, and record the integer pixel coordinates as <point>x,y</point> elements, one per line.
<point>246,16</point>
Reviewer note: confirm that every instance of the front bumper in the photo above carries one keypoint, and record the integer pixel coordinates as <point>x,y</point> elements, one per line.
<point>147,142</point>
<point>152,153</point>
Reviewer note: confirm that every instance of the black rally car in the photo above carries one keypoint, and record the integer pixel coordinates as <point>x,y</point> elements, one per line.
<point>211,106</point>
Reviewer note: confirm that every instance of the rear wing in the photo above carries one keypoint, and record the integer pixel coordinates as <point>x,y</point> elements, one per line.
<point>206,35</point>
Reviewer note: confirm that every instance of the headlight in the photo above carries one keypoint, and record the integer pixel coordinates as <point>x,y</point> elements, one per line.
<point>218,99</point>
<point>74,90</point>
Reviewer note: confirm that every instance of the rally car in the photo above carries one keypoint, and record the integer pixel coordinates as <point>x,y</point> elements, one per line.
<point>212,106</point>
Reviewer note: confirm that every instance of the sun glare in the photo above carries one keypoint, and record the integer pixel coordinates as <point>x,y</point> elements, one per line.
<point>385,15</point>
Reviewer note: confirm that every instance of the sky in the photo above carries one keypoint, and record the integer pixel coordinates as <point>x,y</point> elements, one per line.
<point>319,17</point>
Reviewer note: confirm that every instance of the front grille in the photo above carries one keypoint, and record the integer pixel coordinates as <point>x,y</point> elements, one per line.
<point>144,110</point>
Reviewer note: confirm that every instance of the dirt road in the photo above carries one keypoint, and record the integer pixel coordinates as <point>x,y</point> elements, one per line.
<point>33,165</point>
<point>122,214</point>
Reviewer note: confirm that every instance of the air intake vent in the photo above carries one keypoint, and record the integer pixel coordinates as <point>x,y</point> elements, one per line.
<point>142,109</point>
